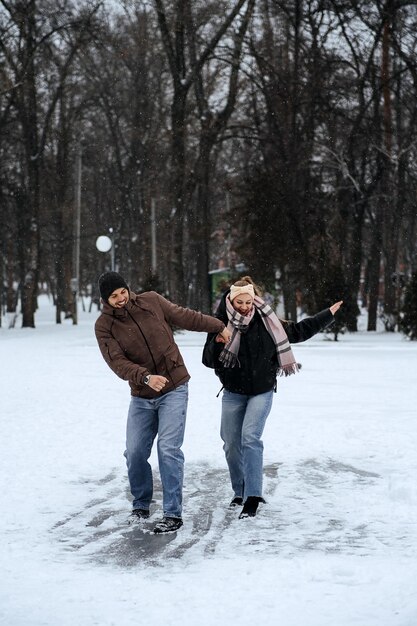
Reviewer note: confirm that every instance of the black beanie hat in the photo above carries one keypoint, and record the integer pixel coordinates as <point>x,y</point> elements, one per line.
<point>108,282</point>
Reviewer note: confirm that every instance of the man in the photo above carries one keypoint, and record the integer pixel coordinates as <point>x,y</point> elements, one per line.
<point>136,340</point>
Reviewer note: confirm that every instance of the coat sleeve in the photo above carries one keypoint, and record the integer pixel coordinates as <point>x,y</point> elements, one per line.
<point>115,357</point>
<point>308,327</point>
<point>189,319</point>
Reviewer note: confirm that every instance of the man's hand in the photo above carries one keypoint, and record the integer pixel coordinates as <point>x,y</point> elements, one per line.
<point>224,337</point>
<point>157,383</point>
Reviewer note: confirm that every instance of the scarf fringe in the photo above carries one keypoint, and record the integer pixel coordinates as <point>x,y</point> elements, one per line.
<point>288,370</point>
<point>228,358</point>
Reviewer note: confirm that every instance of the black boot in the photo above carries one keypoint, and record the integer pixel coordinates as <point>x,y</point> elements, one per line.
<point>251,506</point>
<point>168,525</point>
<point>137,515</point>
<point>237,501</point>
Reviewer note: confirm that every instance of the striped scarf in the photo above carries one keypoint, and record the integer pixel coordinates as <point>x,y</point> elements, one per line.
<point>238,324</point>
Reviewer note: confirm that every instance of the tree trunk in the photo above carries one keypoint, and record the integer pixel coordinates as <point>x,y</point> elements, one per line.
<point>390,230</point>
<point>374,274</point>
<point>200,229</point>
<point>178,115</point>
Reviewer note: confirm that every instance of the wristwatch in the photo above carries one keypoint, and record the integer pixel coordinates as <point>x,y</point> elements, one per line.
<point>146,379</point>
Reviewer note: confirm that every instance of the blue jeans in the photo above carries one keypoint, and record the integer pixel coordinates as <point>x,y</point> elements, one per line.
<point>163,416</point>
<point>242,424</point>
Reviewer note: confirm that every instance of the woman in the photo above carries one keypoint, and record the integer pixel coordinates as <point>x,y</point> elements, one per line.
<point>248,366</point>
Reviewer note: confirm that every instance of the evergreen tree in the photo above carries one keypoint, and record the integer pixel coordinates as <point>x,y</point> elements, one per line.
<point>331,288</point>
<point>408,323</point>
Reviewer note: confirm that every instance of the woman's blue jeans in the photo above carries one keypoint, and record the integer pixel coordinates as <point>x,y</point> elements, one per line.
<point>163,416</point>
<point>242,424</point>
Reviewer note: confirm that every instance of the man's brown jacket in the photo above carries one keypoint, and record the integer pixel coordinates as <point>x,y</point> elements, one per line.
<point>137,340</point>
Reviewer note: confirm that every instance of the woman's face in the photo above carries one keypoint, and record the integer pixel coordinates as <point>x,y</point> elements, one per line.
<point>243,303</point>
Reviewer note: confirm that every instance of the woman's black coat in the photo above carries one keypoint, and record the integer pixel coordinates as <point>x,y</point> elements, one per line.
<point>257,356</point>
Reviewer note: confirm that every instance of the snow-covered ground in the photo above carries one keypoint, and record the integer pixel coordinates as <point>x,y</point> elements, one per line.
<point>335,545</point>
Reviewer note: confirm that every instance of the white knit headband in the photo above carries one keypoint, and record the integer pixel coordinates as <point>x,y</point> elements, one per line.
<point>236,291</point>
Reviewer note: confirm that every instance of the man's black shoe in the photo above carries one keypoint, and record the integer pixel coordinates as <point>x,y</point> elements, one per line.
<point>237,501</point>
<point>250,507</point>
<point>137,515</point>
<point>168,525</point>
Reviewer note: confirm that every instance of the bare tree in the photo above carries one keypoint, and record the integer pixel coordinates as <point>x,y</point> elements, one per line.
<point>213,123</point>
<point>125,136</point>
<point>185,65</point>
<point>33,30</point>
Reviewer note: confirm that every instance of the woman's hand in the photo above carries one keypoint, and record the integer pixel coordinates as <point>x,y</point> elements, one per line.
<point>336,306</point>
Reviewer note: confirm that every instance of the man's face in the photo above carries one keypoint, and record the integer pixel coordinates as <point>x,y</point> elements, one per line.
<point>119,298</point>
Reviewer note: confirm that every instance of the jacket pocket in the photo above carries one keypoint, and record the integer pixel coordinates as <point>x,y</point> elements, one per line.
<point>173,357</point>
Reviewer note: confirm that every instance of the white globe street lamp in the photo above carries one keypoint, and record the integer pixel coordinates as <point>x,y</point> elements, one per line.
<point>103,243</point>
<point>106,244</point>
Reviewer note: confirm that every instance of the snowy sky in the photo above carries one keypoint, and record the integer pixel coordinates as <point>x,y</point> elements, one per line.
<point>335,545</point>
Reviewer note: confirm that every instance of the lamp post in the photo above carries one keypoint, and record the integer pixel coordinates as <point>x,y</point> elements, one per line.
<point>75,280</point>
